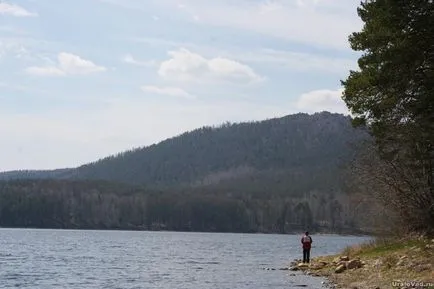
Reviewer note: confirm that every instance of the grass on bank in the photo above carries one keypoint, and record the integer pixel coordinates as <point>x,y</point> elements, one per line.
<point>385,262</point>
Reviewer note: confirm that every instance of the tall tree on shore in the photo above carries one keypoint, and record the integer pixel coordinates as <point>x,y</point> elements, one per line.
<point>393,94</point>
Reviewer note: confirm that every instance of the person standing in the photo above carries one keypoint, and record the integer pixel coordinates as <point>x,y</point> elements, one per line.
<point>306,240</point>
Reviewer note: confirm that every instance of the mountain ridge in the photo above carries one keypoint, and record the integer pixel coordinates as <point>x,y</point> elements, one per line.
<point>278,175</point>
<point>257,145</point>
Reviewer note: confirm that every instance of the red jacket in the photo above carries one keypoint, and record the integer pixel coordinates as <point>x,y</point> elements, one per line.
<point>306,241</point>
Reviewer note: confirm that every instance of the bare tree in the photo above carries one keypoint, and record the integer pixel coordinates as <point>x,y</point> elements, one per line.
<point>397,189</point>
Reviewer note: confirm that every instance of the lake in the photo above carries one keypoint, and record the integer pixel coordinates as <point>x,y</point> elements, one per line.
<point>166,260</point>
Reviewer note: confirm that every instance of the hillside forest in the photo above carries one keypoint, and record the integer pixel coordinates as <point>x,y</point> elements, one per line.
<point>280,175</point>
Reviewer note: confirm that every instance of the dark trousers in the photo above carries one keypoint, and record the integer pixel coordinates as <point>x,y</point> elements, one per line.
<point>306,255</point>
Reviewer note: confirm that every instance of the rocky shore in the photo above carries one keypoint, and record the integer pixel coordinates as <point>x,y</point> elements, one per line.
<point>381,264</point>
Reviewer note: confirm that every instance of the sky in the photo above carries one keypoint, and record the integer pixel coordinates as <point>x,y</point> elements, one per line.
<point>84,79</point>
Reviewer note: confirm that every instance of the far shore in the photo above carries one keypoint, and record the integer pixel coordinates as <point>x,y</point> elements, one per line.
<point>295,233</point>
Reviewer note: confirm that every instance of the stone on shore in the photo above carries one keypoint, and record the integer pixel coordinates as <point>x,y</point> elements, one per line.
<point>339,269</point>
<point>376,265</point>
<point>353,264</point>
<point>318,266</point>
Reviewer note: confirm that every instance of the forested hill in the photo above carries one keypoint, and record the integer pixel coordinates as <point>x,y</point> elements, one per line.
<point>300,144</point>
<point>276,175</point>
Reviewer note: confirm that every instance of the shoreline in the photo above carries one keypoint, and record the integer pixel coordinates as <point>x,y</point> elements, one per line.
<point>405,263</point>
<point>176,231</point>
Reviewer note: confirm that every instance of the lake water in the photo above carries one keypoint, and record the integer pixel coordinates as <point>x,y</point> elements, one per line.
<point>167,260</point>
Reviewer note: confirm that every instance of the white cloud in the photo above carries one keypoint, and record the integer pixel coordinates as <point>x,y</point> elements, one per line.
<point>73,64</point>
<point>185,65</point>
<point>298,61</point>
<point>131,60</point>
<point>288,59</point>
<point>320,23</point>
<point>20,87</point>
<point>45,71</point>
<point>14,10</point>
<point>322,100</point>
<point>68,64</point>
<point>12,48</point>
<point>171,91</point>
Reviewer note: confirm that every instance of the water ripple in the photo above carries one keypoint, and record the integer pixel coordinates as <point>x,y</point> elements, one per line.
<point>164,260</point>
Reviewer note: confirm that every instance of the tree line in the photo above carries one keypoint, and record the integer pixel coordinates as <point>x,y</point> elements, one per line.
<point>104,205</point>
